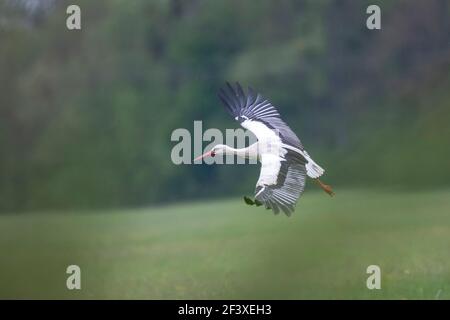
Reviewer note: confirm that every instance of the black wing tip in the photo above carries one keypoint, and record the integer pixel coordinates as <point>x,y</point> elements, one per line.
<point>272,204</point>
<point>238,86</point>
<point>230,88</point>
<point>234,89</point>
<point>233,97</point>
<point>287,210</point>
<point>228,101</point>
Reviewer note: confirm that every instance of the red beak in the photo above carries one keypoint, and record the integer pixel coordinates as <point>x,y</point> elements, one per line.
<point>204,155</point>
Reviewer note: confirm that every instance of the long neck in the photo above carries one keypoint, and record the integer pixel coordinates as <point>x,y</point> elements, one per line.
<point>243,152</point>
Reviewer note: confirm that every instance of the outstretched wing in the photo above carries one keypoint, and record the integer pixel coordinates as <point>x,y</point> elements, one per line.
<point>283,173</point>
<point>281,182</point>
<point>253,107</point>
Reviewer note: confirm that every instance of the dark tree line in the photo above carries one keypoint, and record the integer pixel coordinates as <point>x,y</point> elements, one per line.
<point>86,116</point>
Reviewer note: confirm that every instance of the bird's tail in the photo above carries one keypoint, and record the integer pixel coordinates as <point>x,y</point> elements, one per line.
<point>313,170</point>
<point>325,187</point>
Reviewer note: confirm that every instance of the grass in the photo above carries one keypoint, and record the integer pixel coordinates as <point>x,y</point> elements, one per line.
<point>227,250</point>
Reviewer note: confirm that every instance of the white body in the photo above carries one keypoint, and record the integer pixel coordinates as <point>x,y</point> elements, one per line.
<point>270,151</point>
<point>284,162</point>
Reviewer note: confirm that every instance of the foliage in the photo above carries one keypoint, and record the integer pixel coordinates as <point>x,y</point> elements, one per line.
<point>86,116</point>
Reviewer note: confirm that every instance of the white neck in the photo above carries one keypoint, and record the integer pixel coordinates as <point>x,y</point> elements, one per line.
<point>249,152</point>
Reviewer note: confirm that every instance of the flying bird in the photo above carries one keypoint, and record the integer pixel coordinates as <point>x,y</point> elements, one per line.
<point>285,164</point>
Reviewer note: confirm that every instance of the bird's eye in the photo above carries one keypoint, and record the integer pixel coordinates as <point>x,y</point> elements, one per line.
<point>213,153</point>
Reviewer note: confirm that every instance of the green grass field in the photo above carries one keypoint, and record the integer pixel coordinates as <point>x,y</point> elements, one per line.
<point>227,250</point>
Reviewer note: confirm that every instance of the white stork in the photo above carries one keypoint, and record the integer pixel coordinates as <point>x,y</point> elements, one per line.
<point>284,162</point>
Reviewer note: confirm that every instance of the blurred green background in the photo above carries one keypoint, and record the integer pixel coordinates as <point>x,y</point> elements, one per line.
<point>85,124</point>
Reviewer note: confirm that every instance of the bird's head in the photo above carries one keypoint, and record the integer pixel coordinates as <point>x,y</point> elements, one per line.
<point>216,150</point>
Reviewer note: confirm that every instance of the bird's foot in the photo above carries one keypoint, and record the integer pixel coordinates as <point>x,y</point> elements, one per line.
<point>249,201</point>
<point>258,203</point>
<point>325,187</point>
